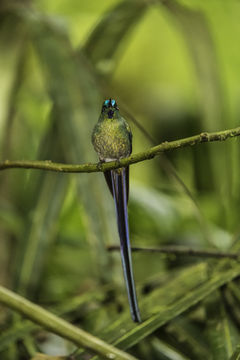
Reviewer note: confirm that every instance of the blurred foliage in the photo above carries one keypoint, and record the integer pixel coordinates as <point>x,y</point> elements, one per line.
<point>173,67</point>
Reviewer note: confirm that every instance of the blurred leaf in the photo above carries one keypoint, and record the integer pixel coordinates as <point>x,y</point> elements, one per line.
<point>115,26</point>
<point>40,228</point>
<point>197,35</point>
<point>187,336</point>
<point>103,45</point>
<point>10,220</point>
<point>12,45</point>
<point>13,35</point>
<point>236,354</point>
<point>68,80</point>
<point>160,207</point>
<point>198,38</point>
<point>231,305</point>
<point>218,329</point>
<point>167,351</point>
<point>17,332</point>
<point>60,227</point>
<point>174,298</point>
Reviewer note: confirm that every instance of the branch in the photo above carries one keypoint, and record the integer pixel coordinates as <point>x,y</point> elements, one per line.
<point>60,327</point>
<point>39,356</point>
<point>135,158</point>
<point>181,250</point>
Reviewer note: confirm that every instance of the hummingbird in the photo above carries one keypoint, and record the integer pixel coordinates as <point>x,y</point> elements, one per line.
<point>112,140</point>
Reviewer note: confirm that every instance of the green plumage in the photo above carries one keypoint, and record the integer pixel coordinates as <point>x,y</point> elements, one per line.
<point>111,137</point>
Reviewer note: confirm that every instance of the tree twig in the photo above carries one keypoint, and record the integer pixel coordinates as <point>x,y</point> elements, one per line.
<point>135,158</point>
<point>181,250</point>
<point>59,326</point>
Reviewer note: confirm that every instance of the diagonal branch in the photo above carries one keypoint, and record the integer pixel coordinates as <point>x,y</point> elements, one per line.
<point>133,159</point>
<point>60,327</point>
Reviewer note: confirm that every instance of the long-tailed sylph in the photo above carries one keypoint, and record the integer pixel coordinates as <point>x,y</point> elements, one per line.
<point>112,140</point>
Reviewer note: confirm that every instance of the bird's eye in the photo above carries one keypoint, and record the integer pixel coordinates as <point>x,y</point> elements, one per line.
<point>113,102</point>
<point>106,102</point>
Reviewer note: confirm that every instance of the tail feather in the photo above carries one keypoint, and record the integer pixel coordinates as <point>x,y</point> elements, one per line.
<point>119,188</point>
<point>108,178</point>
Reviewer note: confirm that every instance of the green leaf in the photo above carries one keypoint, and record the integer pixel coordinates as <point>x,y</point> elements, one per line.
<point>185,334</point>
<point>198,37</point>
<point>103,45</point>
<point>218,328</point>
<point>167,351</point>
<point>17,332</point>
<point>40,227</point>
<point>12,46</point>
<point>71,87</point>
<point>236,354</point>
<point>171,300</point>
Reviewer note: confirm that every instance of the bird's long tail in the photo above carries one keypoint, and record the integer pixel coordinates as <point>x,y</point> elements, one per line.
<point>119,179</point>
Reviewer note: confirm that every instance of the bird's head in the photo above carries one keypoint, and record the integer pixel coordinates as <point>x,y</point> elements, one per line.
<point>109,108</point>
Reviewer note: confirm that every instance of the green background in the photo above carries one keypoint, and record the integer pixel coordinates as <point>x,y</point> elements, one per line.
<point>173,67</point>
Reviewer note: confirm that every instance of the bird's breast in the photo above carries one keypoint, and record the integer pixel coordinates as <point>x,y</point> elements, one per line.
<point>111,140</point>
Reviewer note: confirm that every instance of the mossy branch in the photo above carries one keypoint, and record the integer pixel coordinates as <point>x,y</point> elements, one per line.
<point>135,158</point>
<point>60,327</point>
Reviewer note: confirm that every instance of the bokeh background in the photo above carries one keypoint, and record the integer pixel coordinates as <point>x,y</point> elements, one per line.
<point>173,67</point>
